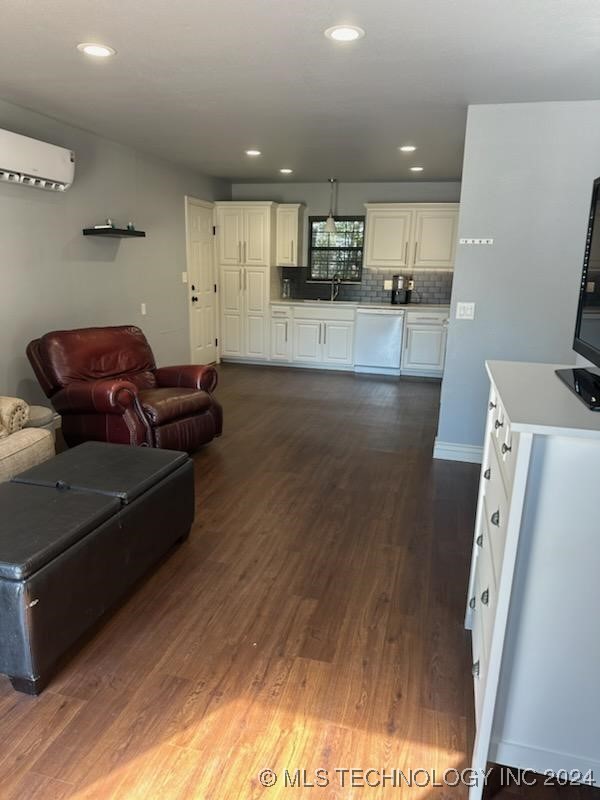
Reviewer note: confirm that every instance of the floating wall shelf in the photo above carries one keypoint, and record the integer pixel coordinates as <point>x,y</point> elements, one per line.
<point>113,233</point>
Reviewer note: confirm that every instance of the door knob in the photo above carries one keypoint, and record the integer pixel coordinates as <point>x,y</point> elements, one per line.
<point>194,299</point>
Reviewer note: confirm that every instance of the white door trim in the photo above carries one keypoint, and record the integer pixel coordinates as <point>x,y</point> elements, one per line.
<point>195,201</point>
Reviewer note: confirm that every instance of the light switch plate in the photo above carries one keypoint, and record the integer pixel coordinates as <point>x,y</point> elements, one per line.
<point>465,311</point>
<point>143,309</point>
<point>184,277</point>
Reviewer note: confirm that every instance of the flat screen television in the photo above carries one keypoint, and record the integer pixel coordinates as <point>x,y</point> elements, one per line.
<point>586,382</point>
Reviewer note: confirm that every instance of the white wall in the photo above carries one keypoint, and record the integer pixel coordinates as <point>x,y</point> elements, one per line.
<point>53,277</point>
<point>351,196</point>
<point>527,182</point>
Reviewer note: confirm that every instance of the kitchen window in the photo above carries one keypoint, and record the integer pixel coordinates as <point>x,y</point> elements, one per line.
<point>339,253</point>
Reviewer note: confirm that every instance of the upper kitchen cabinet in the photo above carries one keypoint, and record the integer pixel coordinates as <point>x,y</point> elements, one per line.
<point>289,234</point>
<point>246,233</point>
<point>420,236</point>
<point>434,237</point>
<point>388,235</point>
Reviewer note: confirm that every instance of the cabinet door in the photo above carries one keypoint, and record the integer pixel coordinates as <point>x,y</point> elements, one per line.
<point>256,290</point>
<point>424,348</point>
<point>338,340</point>
<point>287,236</point>
<point>256,336</point>
<point>388,234</point>
<point>434,238</point>
<point>230,237</point>
<point>231,311</point>
<point>257,232</point>
<point>280,340</point>
<point>307,340</point>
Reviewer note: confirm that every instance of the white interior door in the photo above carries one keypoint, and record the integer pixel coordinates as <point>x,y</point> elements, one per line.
<point>201,281</point>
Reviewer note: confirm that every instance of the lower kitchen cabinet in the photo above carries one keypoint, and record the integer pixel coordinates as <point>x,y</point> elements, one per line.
<point>281,342</point>
<point>338,343</point>
<point>324,341</point>
<point>424,350</point>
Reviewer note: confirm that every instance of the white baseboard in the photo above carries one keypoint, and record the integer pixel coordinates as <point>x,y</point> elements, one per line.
<point>378,371</point>
<point>453,451</point>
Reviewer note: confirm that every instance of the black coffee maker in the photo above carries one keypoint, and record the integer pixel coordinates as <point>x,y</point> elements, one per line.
<point>400,294</point>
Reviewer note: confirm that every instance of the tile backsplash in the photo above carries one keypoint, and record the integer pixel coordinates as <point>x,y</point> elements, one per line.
<point>431,286</point>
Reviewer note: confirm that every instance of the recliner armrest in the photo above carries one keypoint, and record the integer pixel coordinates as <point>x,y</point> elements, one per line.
<point>108,396</point>
<point>189,376</point>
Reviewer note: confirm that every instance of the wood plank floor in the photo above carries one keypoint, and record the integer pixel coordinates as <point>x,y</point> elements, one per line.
<point>313,620</point>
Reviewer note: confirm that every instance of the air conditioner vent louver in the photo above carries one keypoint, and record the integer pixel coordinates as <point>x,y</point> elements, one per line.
<point>39,165</point>
<point>32,180</point>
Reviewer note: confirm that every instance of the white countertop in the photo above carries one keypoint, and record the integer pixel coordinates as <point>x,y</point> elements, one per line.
<point>537,401</point>
<point>352,304</point>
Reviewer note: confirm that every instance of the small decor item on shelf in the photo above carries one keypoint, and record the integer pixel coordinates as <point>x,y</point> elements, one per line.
<point>130,226</point>
<point>108,224</point>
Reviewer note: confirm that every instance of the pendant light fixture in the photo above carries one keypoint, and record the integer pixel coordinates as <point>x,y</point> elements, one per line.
<point>330,223</point>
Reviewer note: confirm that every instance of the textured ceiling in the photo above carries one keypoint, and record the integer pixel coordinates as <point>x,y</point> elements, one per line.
<point>199,82</point>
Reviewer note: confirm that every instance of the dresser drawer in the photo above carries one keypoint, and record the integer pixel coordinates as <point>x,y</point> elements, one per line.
<point>507,445</point>
<point>479,666</point>
<point>495,509</point>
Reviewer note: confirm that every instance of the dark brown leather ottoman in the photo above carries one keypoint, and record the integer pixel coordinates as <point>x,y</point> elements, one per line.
<point>76,533</point>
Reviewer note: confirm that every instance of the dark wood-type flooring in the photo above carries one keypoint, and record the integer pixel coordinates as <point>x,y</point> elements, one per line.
<point>313,620</point>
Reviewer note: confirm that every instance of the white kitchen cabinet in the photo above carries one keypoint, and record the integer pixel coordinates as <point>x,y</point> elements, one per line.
<point>246,233</point>
<point>424,350</point>
<point>231,311</point>
<point>388,231</point>
<point>307,340</point>
<point>244,312</point>
<point>281,333</point>
<point>323,335</point>
<point>411,236</point>
<point>338,343</point>
<point>289,234</point>
<point>434,237</point>
<point>533,597</point>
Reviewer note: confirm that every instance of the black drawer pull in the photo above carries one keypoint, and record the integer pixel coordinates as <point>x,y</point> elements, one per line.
<point>479,540</point>
<point>495,518</point>
<point>475,669</point>
<point>506,449</point>
<point>472,603</point>
<point>498,424</point>
<point>492,406</point>
<point>488,473</point>
<point>485,597</point>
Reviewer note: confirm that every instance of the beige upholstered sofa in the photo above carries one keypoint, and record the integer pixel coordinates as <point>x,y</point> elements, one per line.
<point>20,447</point>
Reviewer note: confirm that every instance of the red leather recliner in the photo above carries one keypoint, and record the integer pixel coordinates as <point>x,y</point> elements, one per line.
<point>106,386</point>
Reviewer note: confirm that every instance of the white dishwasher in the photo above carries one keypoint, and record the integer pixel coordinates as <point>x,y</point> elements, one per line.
<point>378,346</point>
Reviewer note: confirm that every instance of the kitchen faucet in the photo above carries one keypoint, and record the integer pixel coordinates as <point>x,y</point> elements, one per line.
<point>336,283</point>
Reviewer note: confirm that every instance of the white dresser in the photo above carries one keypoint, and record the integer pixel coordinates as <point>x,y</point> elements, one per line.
<point>533,604</point>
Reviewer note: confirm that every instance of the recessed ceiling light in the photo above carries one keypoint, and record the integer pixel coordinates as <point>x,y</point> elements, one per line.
<point>344,33</point>
<point>286,171</point>
<point>407,148</point>
<point>253,153</point>
<point>416,169</point>
<point>97,50</point>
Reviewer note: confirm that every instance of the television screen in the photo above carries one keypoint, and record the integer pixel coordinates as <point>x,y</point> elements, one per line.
<point>587,331</point>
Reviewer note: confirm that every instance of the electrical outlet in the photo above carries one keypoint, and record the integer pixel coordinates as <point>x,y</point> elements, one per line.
<point>465,311</point>
<point>387,286</point>
<point>143,309</point>
<point>590,287</point>
<point>411,285</point>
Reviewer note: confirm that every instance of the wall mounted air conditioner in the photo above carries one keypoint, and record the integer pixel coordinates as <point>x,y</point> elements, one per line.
<point>34,163</point>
